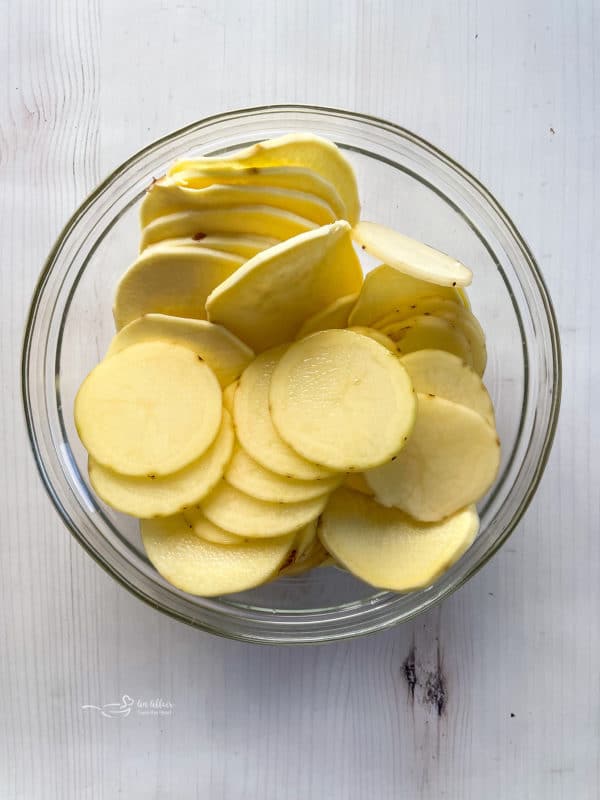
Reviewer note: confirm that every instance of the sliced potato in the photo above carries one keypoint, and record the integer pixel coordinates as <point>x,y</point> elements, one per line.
<point>268,299</point>
<point>199,567</point>
<point>168,197</point>
<point>224,353</point>
<point>420,306</point>
<point>341,400</point>
<point>239,513</point>
<point>151,409</point>
<point>384,289</point>
<point>449,462</point>
<point>236,244</point>
<point>357,482</point>
<point>254,426</point>
<point>387,548</point>
<point>205,529</point>
<point>187,173</point>
<point>429,333</point>
<point>295,150</point>
<point>410,256</point>
<point>312,557</point>
<point>377,336</point>
<point>334,315</point>
<point>445,375</point>
<point>241,220</point>
<point>228,396</point>
<point>247,475</point>
<point>160,497</point>
<point>466,322</point>
<point>175,282</point>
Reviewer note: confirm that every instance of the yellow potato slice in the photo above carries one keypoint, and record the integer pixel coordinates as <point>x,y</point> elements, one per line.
<point>228,396</point>
<point>294,150</point>
<point>429,333</point>
<point>410,256</point>
<point>151,409</point>
<point>246,516</point>
<point>205,529</point>
<point>417,307</point>
<point>449,462</point>
<point>388,549</point>
<point>445,375</point>
<point>384,289</point>
<point>377,336</point>
<point>334,315</point>
<point>222,351</point>
<point>175,282</point>
<point>341,400</point>
<point>254,426</point>
<point>241,220</point>
<point>236,244</point>
<point>247,475</point>
<point>186,173</point>
<point>312,557</point>
<point>268,299</point>
<point>167,197</point>
<point>161,497</point>
<point>201,568</point>
<point>357,482</point>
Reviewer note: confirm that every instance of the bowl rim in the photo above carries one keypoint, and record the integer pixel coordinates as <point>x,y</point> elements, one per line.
<point>475,183</point>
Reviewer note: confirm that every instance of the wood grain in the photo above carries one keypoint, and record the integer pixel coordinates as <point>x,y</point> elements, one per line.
<point>494,694</point>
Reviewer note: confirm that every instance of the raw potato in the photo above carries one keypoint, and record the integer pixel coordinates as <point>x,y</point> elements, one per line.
<point>313,557</point>
<point>236,244</point>
<point>175,282</point>
<point>167,197</point>
<point>410,256</point>
<point>388,549</point>
<point>151,409</point>
<point>443,374</point>
<point>247,475</point>
<point>449,462</point>
<point>419,307</point>
<point>270,297</point>
<point>254,426</point>
<point>385,288</point>
<point>333,316</point>
<point>295,150</point>
<point>239,513</point>
<point>224,353</point>
<point>187,173</point>
<point>357,482</point>
<point>377,336</point>
<point>205,529</point>
<point>341,400</point>
<point>160,497</point>
<point>228,396</point>
<point>243,220</point>
<point>198,567</point>
<point>429,333</point>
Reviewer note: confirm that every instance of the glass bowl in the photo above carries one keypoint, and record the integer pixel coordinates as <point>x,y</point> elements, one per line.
<point>404,182</point>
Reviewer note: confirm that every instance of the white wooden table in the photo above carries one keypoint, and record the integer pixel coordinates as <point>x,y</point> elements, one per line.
<point>510,89</point>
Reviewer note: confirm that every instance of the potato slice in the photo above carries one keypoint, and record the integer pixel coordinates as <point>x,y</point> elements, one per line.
<point>449,462</point>
<point>151,409</point>
<point>429,333</point>
<point>295,150</point>
<point>312,557</point>
<point>228,396</point>
<point>341,400</point>
<point>222,351</point>
<point>167,197</point>
<point>385,288</point>
<point>388,549</point>
<point>246,516</point>
<point>357,482</point>
<point>254,426</point>
<point>247,475</point>
<point>187,173</point>
<point>201,568</point>
<point>236,244</point>
<point>242,220</point>
<point>334,315</point>
<point>205,529</point>
<point>377,336</point>
<point>417,307</point>
<point>445,375</point>
<point>410,256</point>
<point>161,497</point>
<point>270,297</point>
<point>175,282</point>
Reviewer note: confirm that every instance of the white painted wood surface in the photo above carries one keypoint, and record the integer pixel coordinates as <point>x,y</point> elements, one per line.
<point>512,90</point>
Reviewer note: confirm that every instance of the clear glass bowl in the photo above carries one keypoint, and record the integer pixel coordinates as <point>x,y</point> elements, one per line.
<point>404,182</point>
